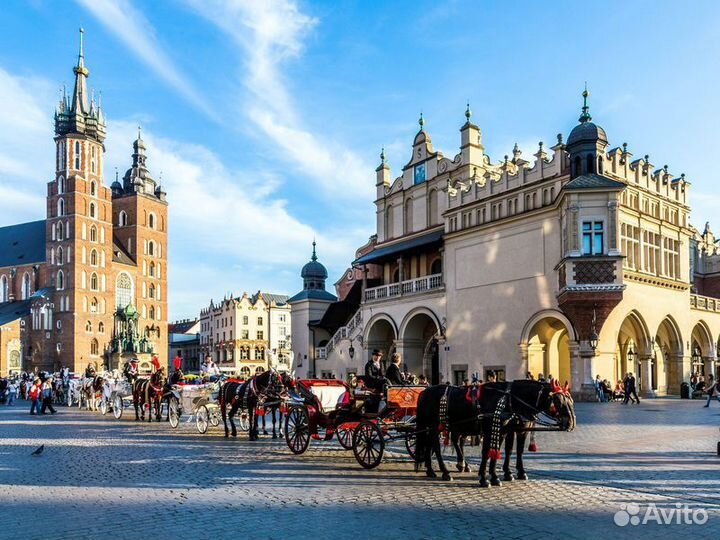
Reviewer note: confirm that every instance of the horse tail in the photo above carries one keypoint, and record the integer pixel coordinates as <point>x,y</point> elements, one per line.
<point>421,430</point>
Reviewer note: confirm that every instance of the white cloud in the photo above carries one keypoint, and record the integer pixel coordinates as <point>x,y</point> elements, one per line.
<point>122,19</point>
<point>268,34</point>
<point>26,147</point>
<point>226,231</point>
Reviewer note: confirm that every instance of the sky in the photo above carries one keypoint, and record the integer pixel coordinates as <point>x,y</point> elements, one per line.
<point>264,119</point>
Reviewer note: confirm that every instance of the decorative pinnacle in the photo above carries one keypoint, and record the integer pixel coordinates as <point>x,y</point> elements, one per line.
<point>468,112</point>
<point>139,132</point>
<point>559,138</point>
<point>382,156</point>
<point>421,122</point>
<point>82,31</point>
<point>516,152</point>
<point>314,255</point>
<point>585,116</point>
<point>624,148</point>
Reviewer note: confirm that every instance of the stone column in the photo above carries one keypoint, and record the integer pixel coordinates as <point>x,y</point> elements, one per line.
<point>401,271</point>
<point>675,373</point>
<point>646,370</point>
<point>709,362</point>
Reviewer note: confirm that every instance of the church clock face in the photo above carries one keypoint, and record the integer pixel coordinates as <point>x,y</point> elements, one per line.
<point>419,177</point>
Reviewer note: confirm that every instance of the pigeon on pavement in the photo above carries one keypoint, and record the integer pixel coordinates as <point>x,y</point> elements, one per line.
<point>38,451</point>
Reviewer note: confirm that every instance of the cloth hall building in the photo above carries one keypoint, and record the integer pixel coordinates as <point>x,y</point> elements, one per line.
<point>578,262</point>
<point>87,284</point>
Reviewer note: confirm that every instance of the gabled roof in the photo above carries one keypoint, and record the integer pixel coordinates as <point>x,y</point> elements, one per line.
<point>593,181</point>
<point>120,255</point>
<point>23,243</point>
<point>12,311</point>
<point>278,299</point>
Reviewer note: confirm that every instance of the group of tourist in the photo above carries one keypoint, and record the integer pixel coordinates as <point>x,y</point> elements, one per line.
<point>40,388</point>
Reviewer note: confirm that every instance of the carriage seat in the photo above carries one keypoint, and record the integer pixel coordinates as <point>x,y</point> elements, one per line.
<point>328,396</point>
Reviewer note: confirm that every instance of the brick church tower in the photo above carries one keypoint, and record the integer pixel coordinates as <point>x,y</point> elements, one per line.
<point>79,229</point>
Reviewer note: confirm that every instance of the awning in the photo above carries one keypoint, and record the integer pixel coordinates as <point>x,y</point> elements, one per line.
<point>419,243</point>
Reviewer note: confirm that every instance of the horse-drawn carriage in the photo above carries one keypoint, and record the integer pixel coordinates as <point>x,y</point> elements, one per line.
<point>119,396</point>
<point>362,420</point>
<point>200,401</point>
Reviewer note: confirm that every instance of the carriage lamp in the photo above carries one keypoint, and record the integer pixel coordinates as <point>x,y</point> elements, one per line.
<point>351,352</point>
<point>594,340</point>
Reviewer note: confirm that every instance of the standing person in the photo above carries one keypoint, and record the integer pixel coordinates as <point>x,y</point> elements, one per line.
<point>712,390</point>
<point>34,394</point>
<point>393,373</point>
<point>373,372</point>
<point>177,363</point>
<point>155,363</point>
<point>47,395</point>
<point>12,392</point>
<point>491,377</point>
<point>631,389</point>
<point>599,389</point>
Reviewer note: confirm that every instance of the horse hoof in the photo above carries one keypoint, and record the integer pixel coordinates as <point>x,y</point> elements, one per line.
<point>274,436</point>
<point>446,477</point>
<point>430,474</point>
<point>459,467</point>
<point>522,476</point>
<point>467,468</point>
<point>234,434</point>
<point>495,482</point>
<point>508,477</point>
<point>227,435</point>
<point>484,483</point>
<point>265,432</point>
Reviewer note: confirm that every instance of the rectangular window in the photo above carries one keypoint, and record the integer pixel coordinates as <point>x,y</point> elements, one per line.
<point>260,321</point>
<point>245,319</point>
<point>260,334</point>
<point>245,334</point>
<point>593,238</point>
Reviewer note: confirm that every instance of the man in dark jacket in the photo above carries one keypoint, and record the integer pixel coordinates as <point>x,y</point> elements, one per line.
<point>393,373</point>
<point>373,372</point>
<point>631,389</point>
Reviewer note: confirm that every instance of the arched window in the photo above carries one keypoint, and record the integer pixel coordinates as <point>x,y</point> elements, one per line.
<point>245,372</point>
<point>92,209</point>
<point>60,281</point>
<point>93,258</point>
<point>151,248</point>
<point>60,232</point>
<point>600,165</point>
<point>94,281</point>
<point>151,220</point>
<point>123,219</point>
<point>259,370</point>
<point>151,292</point>
<point>590,164</point>
<point>151,312</point>
<point>93,305</point>
<point>436,266</point>
<point>433,215</point>
<point>93,233</point>
<point>93,187</point>
<point>94,347</point>
<point>408,216</point>
<point>4,297</point>
<point>77,155</point>
<point>88,326</point>
<point>61,207</point>
<point>389,222</point>
<point>152,270</point>
<point>61,185</point>
<point>101,328</point>
<point>26,286</point>
<point>577,168</point>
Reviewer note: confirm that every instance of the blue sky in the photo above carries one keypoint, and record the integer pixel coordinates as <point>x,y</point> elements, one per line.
<point>265,118</point>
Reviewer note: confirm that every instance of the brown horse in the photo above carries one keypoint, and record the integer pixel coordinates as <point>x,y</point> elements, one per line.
<point>148,394</point>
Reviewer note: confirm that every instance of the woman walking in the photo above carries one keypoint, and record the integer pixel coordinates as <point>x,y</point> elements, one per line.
<point>34,394</point>
<point>47,395</point>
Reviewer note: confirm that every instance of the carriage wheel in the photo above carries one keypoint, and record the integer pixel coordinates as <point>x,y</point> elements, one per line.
<point>202,419</point>
<point>174,412</point>
<point>368,445</point>
<point>244,421</point>
<point>344,436</point>
<point>411,444</point>
<point>297,430</point>
<point>118,407</point>
<point>214,417</point>
<point>104,406</point>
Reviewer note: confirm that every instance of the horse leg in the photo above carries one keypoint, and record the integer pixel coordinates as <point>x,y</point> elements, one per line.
<point>223,413</point>
<point>231,414</point>
<point>509,439</point>
<point>455,438</point>
<point>135,405</point>
<point>441,462</point>
<point>466,467</point>
<point>519,466</point>
<point>483,461</point>
<point>253,421</point>
<point>264,426</point>
<point>494,480</point>
<point>428,450</point>
<point>272,416</point>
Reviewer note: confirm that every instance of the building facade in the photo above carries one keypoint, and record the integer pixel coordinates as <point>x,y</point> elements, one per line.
<point>580,263</point>
<point>248,334</point>
<point>184,339</point>
<point>88,284</point>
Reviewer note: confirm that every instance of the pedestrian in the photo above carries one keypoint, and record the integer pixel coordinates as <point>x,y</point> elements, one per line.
<point>599,389</point>
<point>491,377</point>
<point>177,363</point>
<point>422,380</point>
<point>529,376</point>
<point>34,394</point>
<point>47,396</point>
<point>712,390</point>
<point>12,392</point>
<point>631,389</point>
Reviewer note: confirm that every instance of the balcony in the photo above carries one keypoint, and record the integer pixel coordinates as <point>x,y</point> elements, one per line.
<point>704,303</point>
<point>419,285</point>
<point>590,274</point>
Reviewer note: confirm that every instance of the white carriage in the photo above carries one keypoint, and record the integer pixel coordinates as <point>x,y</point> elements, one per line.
<point>117,395</point>
<point>199,401</point>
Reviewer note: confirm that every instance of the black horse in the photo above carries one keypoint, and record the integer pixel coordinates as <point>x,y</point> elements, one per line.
<point>496,411</point>
<point>149,393</point>
<point>267,387</point>
<point>273,408</point>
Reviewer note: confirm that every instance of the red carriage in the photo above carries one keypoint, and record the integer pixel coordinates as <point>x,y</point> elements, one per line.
<point>323,408</point>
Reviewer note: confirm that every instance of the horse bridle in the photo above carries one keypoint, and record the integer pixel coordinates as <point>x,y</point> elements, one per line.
<point>553,425</point>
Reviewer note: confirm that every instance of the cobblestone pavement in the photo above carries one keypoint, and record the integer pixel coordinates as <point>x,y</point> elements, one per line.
<point>103,478</point>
